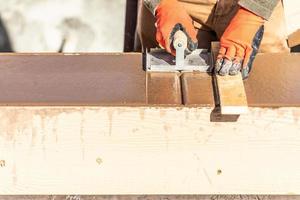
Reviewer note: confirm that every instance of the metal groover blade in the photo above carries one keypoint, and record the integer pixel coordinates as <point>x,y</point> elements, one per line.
<point>179,56</point>
<point>180,44</point>
<point>158,60</point>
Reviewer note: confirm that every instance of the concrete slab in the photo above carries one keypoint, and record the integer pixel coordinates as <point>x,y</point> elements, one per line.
<point>164,89</point>
<point>274,82</point>
<point>57,79</point>
<point>197,89</point>
<point>119,79</point>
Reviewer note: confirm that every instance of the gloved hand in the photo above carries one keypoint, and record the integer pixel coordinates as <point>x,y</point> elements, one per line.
<point>171,17</point>
<point>239,44</point>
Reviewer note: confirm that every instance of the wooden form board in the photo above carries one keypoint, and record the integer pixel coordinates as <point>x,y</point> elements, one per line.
<point>137,150</point>
<point>231,90</point>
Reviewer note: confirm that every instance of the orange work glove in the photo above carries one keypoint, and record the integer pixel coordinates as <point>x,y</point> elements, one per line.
<point>171,17</point>
<point>237,45</point>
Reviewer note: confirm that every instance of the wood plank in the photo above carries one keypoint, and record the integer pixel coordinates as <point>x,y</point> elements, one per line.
<point>231,91</point>
<point>136,150</point>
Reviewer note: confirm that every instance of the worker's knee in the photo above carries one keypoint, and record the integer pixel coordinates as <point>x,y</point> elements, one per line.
<point>275,37</point>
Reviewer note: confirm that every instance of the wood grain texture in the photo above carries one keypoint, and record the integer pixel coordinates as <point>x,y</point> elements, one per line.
<point>231,90</point>
<point>126,150</point>
<point>233,100</point>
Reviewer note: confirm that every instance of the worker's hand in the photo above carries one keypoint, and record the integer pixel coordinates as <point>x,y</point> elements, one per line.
<point>171,17</point>
<point>239,44</point>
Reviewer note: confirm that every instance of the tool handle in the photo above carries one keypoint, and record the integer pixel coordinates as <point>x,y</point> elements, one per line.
<point>180,40</point>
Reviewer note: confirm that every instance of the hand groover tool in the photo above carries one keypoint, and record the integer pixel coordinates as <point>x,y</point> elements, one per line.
<point>158,60</point>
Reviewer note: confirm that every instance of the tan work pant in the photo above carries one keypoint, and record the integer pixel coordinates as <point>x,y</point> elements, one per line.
<point>210,18</point>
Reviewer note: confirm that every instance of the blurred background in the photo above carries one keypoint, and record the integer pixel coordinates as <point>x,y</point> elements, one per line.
<point>62,25</point>
<point>84,25</point>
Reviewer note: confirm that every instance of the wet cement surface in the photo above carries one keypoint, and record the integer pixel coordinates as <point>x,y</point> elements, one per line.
<point>164,89</point>
<point>197,89</point>
<point>274,82</point>
<point>119,79</point>
<point>103,79</point>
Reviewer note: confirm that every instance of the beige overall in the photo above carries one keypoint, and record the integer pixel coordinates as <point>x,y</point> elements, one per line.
<point>210,18</point>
